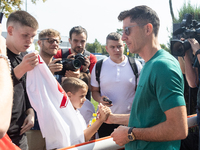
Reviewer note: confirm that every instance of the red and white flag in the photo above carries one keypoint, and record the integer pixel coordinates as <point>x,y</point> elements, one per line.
<point>57,117</point>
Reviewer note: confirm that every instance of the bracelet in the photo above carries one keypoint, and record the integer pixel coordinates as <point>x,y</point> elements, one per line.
<point>8,60</point>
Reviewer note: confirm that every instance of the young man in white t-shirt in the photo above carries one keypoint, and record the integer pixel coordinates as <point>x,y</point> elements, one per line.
<point>76,90</point>
<point>117,81</point>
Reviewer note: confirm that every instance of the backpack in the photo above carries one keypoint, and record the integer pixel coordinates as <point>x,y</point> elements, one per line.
<point>131,62</point>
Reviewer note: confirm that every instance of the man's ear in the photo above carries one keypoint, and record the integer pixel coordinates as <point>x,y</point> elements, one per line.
<point>149,28</point>
<point>10,30</point>
<point>69,40</point>
<point>39,42</point>
<point>106,48</point>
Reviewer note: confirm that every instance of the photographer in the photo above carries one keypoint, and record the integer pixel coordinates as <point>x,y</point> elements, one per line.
<point>77,39</point>
<point>192,69</point>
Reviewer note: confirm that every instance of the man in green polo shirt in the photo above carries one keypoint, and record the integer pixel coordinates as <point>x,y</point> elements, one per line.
<point>158,118</point>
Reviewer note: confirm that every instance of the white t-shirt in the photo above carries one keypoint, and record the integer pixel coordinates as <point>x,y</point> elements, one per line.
<point>117,82</point>
<point>81,119</point>
<point>87,110</point>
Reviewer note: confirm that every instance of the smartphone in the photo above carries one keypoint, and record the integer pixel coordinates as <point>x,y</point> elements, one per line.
<point>107,100</point>
<point>1,16</point>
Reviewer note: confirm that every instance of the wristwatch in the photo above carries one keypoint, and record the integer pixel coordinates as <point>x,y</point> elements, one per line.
<point>131,136</point>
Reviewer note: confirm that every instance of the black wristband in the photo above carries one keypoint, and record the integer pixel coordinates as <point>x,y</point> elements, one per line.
<point>88,71</point>
<point>197,52</point>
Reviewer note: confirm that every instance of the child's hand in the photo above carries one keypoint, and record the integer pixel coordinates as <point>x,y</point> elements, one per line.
<point>103,112</point>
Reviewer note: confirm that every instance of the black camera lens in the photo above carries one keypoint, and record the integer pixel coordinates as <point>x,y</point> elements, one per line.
<point>80,57</point>
<point>178,47</point>
<point>76,64</point>
<point>69,64</point>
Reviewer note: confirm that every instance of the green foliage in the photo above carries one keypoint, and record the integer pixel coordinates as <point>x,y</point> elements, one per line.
<point>36,47</point>
<point>94,103</point>
<point>119,31</point>
<point>8,6</point>
<point>96,47</point>
<point>163,46</point>
<point>194,10</point>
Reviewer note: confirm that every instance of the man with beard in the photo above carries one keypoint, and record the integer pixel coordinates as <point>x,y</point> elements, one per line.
<point>77,39</point>
<point>49,40</point>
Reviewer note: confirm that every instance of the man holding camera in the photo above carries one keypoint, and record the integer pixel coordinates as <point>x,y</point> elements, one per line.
<point>77,39</point>
<point>192,71</point>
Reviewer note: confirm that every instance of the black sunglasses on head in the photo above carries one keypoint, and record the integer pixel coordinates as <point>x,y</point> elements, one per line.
<point>51,40</point>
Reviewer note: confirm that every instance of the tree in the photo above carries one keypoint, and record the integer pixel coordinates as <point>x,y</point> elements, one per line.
<point>163,46</point>
<point>8,6</point>
<point>96,47</point>
<point>190,9</point>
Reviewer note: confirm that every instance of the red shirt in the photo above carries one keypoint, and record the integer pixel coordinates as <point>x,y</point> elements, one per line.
<point>6,144</point>
<point>93,58</point>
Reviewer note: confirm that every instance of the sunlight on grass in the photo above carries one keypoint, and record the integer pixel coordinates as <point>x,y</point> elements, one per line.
<point>94,103</point>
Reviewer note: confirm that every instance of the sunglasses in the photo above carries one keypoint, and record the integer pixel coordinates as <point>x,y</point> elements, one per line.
<point>51,40</point>
<point>127,29</point>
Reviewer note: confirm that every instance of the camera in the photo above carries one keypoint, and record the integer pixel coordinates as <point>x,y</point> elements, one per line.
<point>81,58</point>
<point>69,64</point>
<point>188,29</point>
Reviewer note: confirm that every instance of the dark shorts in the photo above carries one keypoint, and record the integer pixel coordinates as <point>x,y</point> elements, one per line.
<point>106,129</point>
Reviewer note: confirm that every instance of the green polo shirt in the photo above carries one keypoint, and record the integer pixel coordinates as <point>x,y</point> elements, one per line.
<point>160,88</point>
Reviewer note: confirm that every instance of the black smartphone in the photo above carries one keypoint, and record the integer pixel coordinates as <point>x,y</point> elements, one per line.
<point>107,100</point>
<point>1,16</point>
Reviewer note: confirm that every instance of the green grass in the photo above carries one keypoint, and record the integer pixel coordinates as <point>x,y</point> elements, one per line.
<point>94,103</point>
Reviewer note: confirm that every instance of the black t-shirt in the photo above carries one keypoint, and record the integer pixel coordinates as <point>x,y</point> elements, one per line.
<point>20,98</point>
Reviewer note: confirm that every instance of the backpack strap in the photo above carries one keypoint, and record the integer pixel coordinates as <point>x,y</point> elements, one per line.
<point>98,71</point>
<point>65,52</point>
<point>134,68</point>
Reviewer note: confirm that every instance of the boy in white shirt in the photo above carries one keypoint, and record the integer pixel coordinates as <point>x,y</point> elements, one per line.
<point>76,90</point>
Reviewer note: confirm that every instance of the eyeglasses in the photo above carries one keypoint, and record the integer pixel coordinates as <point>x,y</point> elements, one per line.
<point>127,29</point>
<point>51,40</point>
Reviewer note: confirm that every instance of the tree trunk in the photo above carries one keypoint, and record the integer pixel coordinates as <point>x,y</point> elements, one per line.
<point>171,10</point>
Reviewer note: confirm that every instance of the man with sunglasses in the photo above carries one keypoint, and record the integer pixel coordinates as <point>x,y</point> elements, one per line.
<point>49,40</point>
<point>78,39</point>
<point>158,118</point>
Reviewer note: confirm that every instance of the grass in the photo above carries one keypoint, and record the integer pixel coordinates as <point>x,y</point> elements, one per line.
<point>94,103</point>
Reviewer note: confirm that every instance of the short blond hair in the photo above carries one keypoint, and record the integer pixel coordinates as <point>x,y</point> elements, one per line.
<point>48,33</point>
<point>73,85</point>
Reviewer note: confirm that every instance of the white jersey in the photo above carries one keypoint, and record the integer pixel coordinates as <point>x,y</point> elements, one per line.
<point>57,118</point>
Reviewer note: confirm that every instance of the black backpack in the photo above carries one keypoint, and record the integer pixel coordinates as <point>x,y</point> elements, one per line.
<point>133,66</point>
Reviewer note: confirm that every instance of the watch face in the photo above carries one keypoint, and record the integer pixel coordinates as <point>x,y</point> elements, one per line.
<point>130,137</point>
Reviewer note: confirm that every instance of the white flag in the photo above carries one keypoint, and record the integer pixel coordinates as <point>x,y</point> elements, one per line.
<point>57,117</point>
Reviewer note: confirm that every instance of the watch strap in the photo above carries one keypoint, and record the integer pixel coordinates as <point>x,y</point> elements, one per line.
<point>130,130</point>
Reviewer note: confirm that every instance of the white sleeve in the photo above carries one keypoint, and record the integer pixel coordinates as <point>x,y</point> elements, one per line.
<point>94,82</point>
